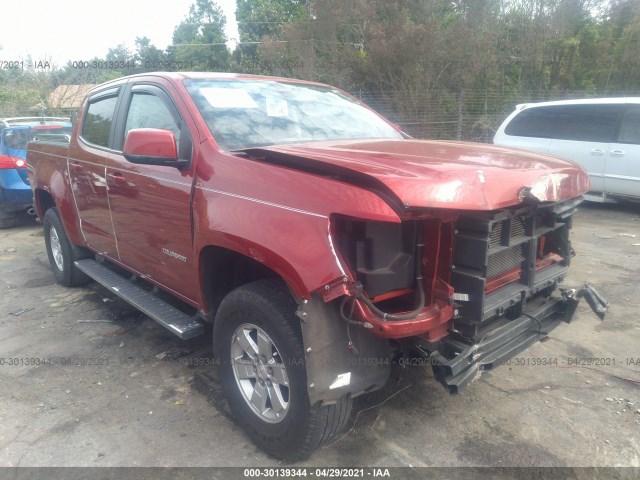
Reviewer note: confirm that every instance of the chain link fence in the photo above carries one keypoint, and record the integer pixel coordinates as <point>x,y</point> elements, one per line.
<point>472,116</point>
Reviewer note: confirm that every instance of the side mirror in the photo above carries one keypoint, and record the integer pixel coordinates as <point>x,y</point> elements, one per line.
<point>152,146</point>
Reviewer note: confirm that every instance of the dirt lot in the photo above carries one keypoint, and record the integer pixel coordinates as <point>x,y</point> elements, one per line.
<point>97,384</point>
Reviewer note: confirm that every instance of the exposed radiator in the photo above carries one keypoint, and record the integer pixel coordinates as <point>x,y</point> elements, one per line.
<point>498,260</point>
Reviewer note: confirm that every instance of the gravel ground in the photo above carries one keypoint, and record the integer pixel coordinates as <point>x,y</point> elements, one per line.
<point>98,384</point>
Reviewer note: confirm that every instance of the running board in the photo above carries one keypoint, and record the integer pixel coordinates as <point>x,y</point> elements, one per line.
<point>166,315</point>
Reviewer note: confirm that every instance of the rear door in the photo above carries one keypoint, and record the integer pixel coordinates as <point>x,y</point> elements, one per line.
<point>583,133</point>
<point>151,205</point>
<point>622,169</point>
<point>88,158</point>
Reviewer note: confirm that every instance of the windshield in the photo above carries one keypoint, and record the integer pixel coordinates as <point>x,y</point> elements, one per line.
<point>252,113</point>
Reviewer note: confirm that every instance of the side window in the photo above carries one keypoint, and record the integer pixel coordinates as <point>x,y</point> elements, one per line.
<point>97,123</point>
<point>630,127</point>
<point>149,111</point>
<point>587,123</point>
<point>532,122</point>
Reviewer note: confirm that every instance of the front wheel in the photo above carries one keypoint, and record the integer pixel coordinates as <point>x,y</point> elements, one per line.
<point>258,344</point>
<point>61,252</point>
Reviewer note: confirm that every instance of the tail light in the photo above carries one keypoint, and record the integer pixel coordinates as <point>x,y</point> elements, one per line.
<point>7,162</point>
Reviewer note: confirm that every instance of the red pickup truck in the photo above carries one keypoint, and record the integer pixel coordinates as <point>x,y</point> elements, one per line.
<point>320,240</point>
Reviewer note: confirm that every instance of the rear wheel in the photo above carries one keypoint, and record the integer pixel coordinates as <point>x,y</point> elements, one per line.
<point>62,253</point>
<point>258,344</point>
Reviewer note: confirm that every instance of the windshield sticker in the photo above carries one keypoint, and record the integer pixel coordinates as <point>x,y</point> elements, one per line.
<point>277,107</point>
<point>228,97</point>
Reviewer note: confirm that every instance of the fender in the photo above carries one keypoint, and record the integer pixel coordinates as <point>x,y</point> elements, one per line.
<point>236,194</point>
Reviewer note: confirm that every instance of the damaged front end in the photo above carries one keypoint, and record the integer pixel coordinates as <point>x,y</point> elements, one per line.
<point>506,268</point>
<point>458,360</point>
<point>466,290</point>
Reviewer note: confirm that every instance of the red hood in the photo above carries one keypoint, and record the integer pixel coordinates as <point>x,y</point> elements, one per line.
<point>456,175</point>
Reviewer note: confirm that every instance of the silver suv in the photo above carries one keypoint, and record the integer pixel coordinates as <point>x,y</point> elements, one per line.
<point>602,135</point>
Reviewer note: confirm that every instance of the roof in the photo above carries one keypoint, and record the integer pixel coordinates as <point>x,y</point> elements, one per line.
<point>179,76</point>
<point>582,101</point>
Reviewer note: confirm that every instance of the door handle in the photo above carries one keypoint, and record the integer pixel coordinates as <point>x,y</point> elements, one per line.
<point>617,153</point>
<point>597,152</point>
<point>117,178</point>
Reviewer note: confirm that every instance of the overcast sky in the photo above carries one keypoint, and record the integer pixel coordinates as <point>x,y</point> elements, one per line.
<point>65,30</point>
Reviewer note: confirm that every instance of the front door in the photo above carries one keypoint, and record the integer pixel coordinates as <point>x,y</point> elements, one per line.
<point>151,205</point>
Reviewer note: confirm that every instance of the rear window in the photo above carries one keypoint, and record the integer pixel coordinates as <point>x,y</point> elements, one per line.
<point>587,123</point>
<point>52,133</point>
<point>532,122</point>
<point>18,138</point>
<point>15,138</point>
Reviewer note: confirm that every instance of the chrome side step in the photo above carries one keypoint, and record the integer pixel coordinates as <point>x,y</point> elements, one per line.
<point>166,315</point>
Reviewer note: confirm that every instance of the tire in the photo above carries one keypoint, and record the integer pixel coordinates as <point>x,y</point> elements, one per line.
<point>285,425</point>
<point>62,253</point>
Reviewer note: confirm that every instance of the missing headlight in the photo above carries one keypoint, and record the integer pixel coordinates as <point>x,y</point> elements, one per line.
<point>381,254</point>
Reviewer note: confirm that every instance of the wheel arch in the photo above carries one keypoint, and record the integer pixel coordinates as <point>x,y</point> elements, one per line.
<point>43,201</point>
<point>222,269</point>
<point>45,198</point>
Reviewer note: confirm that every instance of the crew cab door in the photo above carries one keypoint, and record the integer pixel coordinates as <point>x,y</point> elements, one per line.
<point>622,170</point>
<point>87,168</point>
<point>150,204</point>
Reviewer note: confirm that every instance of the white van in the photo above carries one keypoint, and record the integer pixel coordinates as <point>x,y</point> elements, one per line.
<point>602,135</point>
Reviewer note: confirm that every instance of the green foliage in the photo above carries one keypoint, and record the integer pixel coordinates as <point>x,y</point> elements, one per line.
<point>148,56</point>
<point>17,93</point>
<point>416,57</point>
<point>199,41</point>
<point>263,20</point>
<point>420,58</point>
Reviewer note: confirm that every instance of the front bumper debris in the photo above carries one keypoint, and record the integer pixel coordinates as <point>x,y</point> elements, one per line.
<point>597,302</point>
<point>457,363</point>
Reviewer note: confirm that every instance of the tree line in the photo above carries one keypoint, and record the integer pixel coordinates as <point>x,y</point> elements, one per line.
<point>413,59</point>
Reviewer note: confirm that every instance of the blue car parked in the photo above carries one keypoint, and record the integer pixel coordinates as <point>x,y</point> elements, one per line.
<point>15,134</point>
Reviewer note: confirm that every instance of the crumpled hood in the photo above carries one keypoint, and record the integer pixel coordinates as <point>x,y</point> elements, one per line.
<point>437,174</point>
